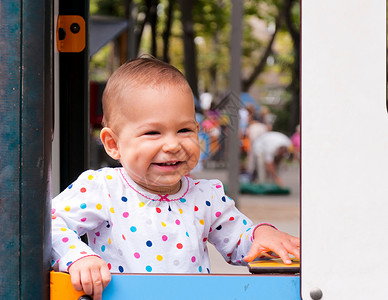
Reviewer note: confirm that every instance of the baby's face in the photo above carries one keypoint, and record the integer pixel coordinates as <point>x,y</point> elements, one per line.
<point>158,141</point>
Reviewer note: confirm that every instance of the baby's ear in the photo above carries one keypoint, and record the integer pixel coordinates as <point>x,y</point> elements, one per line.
<point>109,139</point>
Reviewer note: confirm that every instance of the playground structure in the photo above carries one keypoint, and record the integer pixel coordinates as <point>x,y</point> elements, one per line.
<point>344,161</point>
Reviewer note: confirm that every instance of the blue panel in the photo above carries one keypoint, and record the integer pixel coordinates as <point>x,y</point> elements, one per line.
<point>203,287</point>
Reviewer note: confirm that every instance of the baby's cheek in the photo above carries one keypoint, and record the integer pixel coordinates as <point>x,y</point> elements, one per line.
<point>133,166</point>
<point>192,146</point>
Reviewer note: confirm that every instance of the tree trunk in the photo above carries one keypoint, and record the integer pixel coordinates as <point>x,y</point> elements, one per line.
<point>294,87</point>
<point>153,18</point>
<point>190,59</point>
<point>139,31</point>
<point>129,37</point>
<point>167,31</point>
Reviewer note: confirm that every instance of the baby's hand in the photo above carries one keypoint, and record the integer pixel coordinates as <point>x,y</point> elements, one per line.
<point>267,238</point>
<point>90,274</point>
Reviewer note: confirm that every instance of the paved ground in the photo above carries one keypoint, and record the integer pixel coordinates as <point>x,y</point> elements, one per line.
<point>282,211</point>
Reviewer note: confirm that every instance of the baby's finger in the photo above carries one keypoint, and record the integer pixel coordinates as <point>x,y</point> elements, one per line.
<point>293,249</point>
<point>105,276</point>
<point>87,284</point>
<point>97,284</point>
<point>76,281</point>
<point>283,253</point>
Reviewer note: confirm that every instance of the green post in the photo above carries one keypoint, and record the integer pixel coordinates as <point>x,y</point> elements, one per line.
<point>26,94</point>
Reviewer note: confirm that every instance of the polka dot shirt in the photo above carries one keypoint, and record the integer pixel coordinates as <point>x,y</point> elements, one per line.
<point>135,231</point>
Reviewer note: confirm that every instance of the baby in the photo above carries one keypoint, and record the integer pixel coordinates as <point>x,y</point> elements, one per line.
<point>148,216</point>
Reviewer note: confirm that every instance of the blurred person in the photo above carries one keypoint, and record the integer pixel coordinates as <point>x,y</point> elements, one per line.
<point>243,120</point>
<point>254,131</point>
<point>266,117</point>
<point>206,100</point>
<point>269,150</point>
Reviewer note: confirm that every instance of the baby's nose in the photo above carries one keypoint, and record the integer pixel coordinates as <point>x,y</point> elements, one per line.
<point>172,144</point>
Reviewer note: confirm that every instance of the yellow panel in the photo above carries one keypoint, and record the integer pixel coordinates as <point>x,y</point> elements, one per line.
<point>274,266</point>
<point>61,287</point>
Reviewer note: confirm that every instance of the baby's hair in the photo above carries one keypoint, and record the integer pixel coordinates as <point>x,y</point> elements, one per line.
<point>140,72</point>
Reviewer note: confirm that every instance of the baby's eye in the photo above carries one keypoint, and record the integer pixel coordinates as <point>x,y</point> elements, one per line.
<point>184,130</point>
<point>151,133</point>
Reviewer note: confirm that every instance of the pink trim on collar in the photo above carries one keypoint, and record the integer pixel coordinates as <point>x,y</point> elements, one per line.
<point>162,198</point>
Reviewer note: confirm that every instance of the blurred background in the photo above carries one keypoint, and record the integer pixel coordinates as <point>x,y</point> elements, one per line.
<point>196,37</point>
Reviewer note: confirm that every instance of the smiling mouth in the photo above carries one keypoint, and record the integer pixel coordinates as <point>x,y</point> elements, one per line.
<point>168,164</point>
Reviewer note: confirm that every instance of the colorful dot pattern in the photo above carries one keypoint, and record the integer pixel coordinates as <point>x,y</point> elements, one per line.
<point>138,232</point>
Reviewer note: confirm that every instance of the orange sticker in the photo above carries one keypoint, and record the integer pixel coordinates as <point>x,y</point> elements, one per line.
<point>71,33</point>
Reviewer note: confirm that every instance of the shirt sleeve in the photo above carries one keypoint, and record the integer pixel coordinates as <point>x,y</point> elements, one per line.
<point>231,231</point>
<point>79,209</point>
